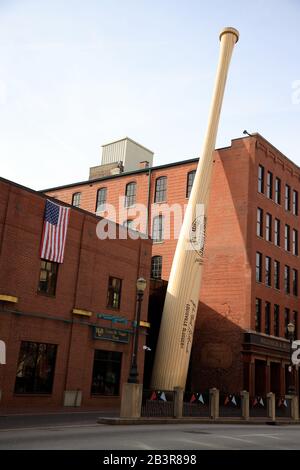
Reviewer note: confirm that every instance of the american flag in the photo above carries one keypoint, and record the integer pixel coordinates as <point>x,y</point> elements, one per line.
<point>54,232</point>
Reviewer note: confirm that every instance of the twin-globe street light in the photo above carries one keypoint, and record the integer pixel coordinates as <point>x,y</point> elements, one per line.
<point>140,287</point>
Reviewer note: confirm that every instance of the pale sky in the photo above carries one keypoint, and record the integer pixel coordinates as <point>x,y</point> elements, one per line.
<point>77,74</point>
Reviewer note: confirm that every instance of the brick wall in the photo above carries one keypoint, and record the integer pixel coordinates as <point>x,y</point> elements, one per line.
<point>82,283</point>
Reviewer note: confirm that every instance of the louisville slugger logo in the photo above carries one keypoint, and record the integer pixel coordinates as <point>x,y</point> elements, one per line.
<point>197,235</point>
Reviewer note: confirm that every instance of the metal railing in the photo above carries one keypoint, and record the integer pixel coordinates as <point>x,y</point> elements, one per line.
<point>283,407</point>
<point>158,403</point>
<point>258,407</point>
<point>196,404</point>
<point>230,405</point>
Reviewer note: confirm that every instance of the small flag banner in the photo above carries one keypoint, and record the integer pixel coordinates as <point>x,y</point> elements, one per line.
<point>282,403</point>
<point>157,395</point>
<point>258,402</point>
<point>197,398</point>
<point>231,400</point>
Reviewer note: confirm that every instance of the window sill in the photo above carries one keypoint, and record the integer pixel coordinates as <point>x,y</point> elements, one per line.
<point>51,296</point>
<point>20,394</point>
<point>96,395</point>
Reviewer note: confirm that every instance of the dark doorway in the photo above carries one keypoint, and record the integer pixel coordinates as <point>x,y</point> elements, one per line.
<point>260,378</point>
<point>275,378</point>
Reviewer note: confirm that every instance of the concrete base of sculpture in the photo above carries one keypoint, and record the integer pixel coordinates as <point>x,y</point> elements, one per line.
<point>131,400</point>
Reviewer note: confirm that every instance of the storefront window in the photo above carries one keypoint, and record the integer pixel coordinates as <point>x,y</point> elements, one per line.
<point>35,371</point>
<point>106,372</point>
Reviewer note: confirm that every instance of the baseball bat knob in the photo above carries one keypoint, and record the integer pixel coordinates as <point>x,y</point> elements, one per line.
<point>230,30</point>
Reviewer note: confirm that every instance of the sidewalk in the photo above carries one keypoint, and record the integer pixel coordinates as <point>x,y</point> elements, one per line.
<point>161,420</point>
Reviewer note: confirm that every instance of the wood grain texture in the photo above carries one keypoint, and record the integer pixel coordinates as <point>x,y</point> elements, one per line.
<point>181,303</point>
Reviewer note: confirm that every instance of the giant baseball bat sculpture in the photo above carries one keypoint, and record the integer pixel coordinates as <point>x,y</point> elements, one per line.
<point>181,303</point>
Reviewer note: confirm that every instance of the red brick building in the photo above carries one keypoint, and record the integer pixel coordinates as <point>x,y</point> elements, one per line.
<point>250,283</point>
<point>68,327</point>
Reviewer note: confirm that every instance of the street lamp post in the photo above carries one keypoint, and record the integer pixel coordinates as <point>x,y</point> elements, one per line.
<point>140,287</point>
<point>291,332</point>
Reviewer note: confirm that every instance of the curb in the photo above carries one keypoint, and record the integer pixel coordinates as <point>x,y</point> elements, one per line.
<point>139,421</point>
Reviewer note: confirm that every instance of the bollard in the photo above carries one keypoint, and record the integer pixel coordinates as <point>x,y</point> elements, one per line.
<point>245,405</point>
<point>131,400</point>
<point>271,406</point>
<point>294,407</point>
<point>214,402</point>
<point>178,402</point>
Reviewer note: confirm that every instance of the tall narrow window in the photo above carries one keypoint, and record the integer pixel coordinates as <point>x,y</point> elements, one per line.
<point>278,191</point>
<point>106,372</point>
<point>258,267</point>
<point>277,232</point>
<point>130,194</point>
<point>261,174</point>
<point>287,279</point>
<point>276,274</point>
<point>259,222</point>
<point>268,271</point>
<point>156,266</point>
<point>258,315</point>
<point>48,277</point>
<point>286,321</point>
<point>270,185</point>
<point>287,245</point>
<point>158,229</point>
<point>76,199</point>
<point>189,182</point>
<point>101,199</point>
<point>267,317</point>
<point>295,202</point>
<point>295,242</point>
<point>161,189</point>
<point>295,319</point>
<point>276,320</point>
<point>114,292</point>
<point>287,198</point>
<point>35,369</point>
<point>268,227</point>
<point>295,282</point>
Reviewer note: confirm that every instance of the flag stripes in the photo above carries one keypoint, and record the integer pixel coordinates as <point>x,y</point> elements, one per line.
<point>54,235</point>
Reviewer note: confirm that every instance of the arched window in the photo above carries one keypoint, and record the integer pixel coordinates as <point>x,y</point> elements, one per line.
<point>189,182</point>
<point>156,266</point>
<point>130,194</point>
<point>101,199</point>
<point>161,189</point>
<point>76,199</point>
<point>158,229</point>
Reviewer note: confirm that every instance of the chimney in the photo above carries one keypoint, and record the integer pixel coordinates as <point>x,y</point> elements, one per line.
<point>143,164</point>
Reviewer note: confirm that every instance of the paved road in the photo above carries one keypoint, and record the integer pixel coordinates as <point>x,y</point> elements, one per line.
<point>12,421</point>
<point>151,437</point>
